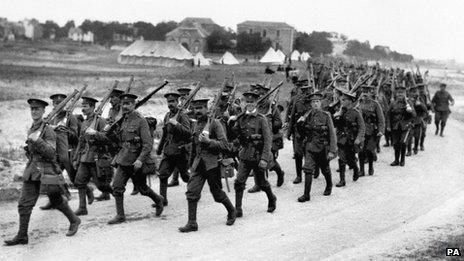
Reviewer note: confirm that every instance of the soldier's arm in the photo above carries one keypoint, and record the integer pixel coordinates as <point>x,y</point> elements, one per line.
<point>380,117</point>
<point>46,145</point>
<point>145,139</point>
<point>388,118</point>
<point>450,98</point>
<point>73,126</point>
<point>277,122</point>
<point>361,126</point>
<point>183,128</point>
<point>332,134</point>
<point>267,139</point>
<point>220,143</point>
<point>289,110</point>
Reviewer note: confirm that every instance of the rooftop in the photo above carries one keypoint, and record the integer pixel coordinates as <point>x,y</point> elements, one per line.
<point>266,24</point>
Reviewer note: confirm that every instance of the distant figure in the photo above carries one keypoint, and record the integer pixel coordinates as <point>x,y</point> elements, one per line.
<point>268,70</point>
<point>440,105</point>
<point>288,68</point>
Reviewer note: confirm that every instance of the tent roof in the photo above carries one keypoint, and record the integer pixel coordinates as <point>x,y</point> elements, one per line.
<point>228,58</point>
<point>295,55</point>
<point>143,48</point>
<point>199,57</point>
<point>271,57</point>
<point>280,54</point>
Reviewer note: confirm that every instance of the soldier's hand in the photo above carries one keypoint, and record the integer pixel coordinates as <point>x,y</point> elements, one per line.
<point>233,118</point>
<point>389,129</point>
<point>203,137</point>
<point>173,121</point>
<point>34,136</point>
<point>90,131</point>
<point>226,114</point>
<point>62,128</point>
<point>262,164</point>
<point>137,164</point>
<point>331,156</point>
<point>75,165</point>
<point>357,141</point>
<point>379,134</point>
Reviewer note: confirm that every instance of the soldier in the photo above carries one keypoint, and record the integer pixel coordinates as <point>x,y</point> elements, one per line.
<point>207,146</point>
<point>41,176</point>
<point>299,106</point>
<point>398,121</point>
<point>92,159</point>
<point>176,133</point>
<point>384,100</point>
<point>375,125</point>
<point>183,92</point>
<point>350,135</point>
<point>254,136</point>
<point>441,102</point>
<point>136,143</point>
<point>320,144</point>
<point>417,122</point>
<point>425,98</point>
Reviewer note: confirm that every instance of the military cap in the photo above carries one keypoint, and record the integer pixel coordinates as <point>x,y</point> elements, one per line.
<point>184,91</point>
<point>89,100</point>
<point>263,87</point>
<point>128,97</point>
<point>316,96</point>
<point>34,102</point>
<point>349,95</point>
<point>302,82</point>
<point>171,95</point>
<point>228,87</point>
<point>442,84</point>
<point>251,94</point>
<point>58,96</point>
<point>420,86</point>
<point>305,87</point>
<point>116,92</point>
<point>200,102</point>
<point>341,79</point>
<point>400,88</point>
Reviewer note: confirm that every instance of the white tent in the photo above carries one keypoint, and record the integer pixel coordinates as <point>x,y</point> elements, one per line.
<point>281,55</point>
<point>305,56</point>
<point>228,58</point>
<point>270,57</point>
<point>199,59</point>
<point>295,56</point>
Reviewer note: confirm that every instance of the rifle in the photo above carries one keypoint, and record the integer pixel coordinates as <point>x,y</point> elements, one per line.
<point>274,102</point>
<point>231,97</point>
<point>70,107</point>
<point>265,96</point>
<point>311,70</point>
<point>210,114</point>
<point>185,104</point>
<point>101,106</point>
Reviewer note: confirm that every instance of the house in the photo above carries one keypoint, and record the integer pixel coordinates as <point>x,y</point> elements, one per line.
<point>192,33</point>
<point>10,30</point>
<point>281,35</point>
<point>87,37</point>
<point>77,35</point>
<point>32,29</point>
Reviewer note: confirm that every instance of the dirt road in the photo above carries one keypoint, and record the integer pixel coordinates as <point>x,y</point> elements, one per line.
<point>325,227</point>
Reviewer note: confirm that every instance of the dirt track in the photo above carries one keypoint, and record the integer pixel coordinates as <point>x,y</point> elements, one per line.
<point>325,227</point>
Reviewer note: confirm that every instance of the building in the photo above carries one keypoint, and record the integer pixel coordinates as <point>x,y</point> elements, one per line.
<point>281,35</point>
<point>32,29</point>
<point>192,33</point>
<point>77,35</point>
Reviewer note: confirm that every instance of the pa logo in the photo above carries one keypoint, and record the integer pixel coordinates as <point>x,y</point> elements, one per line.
<point>453,251</point>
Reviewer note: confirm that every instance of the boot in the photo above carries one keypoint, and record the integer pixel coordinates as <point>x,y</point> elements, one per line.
<point>89,193</point>
<point>158,202</point>
<point>120,216</point>
<point>342,168</point>
<point>74,221</point>
<point>317,172</point>
<point>238,203</point>
<point>441,130</point>
<point>307,188</point>
<point>82,210</point>
<point>254,189</point>
<point>436,128</point>
<point>280,174</point>
<point>135,191</point>
<point>371,168</point>
<point>192,219</point>
<point>422,142</point>
<point>103,196</point>
<point>21,238</point>
<point>355,172</point>
<point>271,206</point>
<point>328,184</point>
<point>396,162</point>
<point>47,206</point>
<point>231,214</point>
<point>402,154</point>
<point>298,166</point>
<point>361,167</point>
<point>164,191</point>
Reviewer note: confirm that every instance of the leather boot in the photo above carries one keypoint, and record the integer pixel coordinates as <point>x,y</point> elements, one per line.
<point>441,130</point>
<point>192,219</point>
<point>238,203</point>
<point>280,175</point>
<point>158,202</point>
<point>271,206</point>
<point>175,179</point>
<point>342,168</point>
<point>317,172</point>
<point>82,210</point>
<point>328,184</point>
<point>164,191</point>
<point>21,238</point>
<point>89,193</point>
<point>74,220</point>
<point>298,166</point>
<point>307,188</point>
<point>396,162</point>
<point>422,143</point>
<point>402,154</point>
<point>47,206</point>
<point>361,166</point>
<point>355,172</point>
<point>135,191</point>
<point>120,216</point>
<point>103,196</point>
<point>254,189</point>
<point>231,214</point>
<point>371,167</point>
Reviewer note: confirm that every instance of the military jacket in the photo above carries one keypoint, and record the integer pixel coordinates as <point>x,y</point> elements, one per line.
<point>91,147</point>
<point>174,137</point>
<point>350,126</point>
<point>64,139</point>
<point>372,115</point>
<point>441,100</point>
<point>398,118</point>
<point>299,107</point>
<point>319,132</point>
<point>421,111</point>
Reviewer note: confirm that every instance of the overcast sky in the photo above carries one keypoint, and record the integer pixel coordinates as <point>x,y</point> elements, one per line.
<point>423,28</point>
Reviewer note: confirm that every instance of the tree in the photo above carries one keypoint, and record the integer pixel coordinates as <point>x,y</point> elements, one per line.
<point>316,43</point>
<point>220,41</point>
<point>251,43</point>
<point>147,30</point>
<point>49,28</point>
<point>63,31</point>
<point>161,29</point>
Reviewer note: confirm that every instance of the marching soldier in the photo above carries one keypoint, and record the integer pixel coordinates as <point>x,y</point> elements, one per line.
<point>176,133</point>
<point>417,121</point>
<point>254,135</point>
<point>299,106</point>
<point>350,135</point>
<point>320,144</point>
<point>92,159</point>
<point>207,146</point>
<point>41,176</point>
<point>384,100</point>
<point>398,121</point>
<point>425,98</point>
<point>375,125</point>
<point>136,144</point>
<point>441,102</point>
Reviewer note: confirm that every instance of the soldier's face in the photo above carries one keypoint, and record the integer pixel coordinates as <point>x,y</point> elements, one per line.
<point>114,101</point>
<point>345,101</point>
<point>250,104</point>
<point>172,104</point>
<point>37,113</point>
<point>316,104</point>
<point>56,102</point>
<point>200,111</point>
<point>401,95</point>
<point>442,87</point>
<point>366,93</point>
<point>87,109</point>
<point>128,106</point>
<point>261,91</point>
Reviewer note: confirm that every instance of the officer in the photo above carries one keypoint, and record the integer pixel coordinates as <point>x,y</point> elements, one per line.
<point>207,146</point>
<point>41,176</point>
<point>299,106</point>
<point>350,135</point>
<point>440,103</point>
<point>92,159</point>
<point>417,122</point>
<point>398,121</point>
<point>375,125</point>
<point>136,144</point>
<point>176,133</point>
<point>320,144</point>
<point>254,136</point>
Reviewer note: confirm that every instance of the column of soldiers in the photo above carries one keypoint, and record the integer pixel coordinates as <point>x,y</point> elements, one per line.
<point>327,117</point>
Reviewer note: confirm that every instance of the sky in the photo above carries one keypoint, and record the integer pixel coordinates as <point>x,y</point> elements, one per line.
<point>427,29</point>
